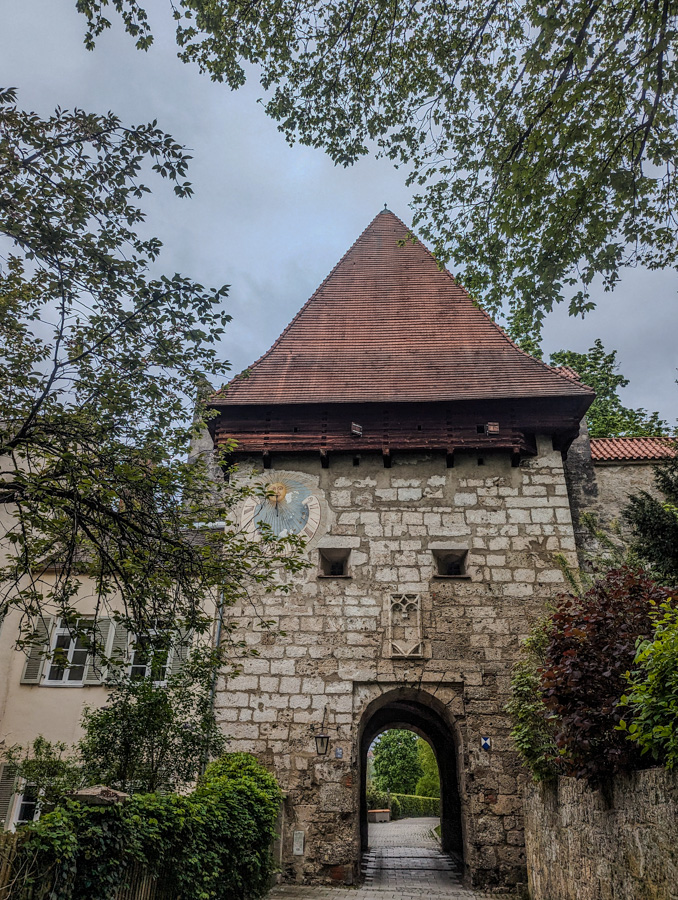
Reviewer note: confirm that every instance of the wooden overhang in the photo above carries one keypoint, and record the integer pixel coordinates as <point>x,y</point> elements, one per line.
<point>391,354</point>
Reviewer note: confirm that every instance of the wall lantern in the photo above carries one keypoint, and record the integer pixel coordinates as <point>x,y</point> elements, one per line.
<point>322,744</point>
<point>322,740</point>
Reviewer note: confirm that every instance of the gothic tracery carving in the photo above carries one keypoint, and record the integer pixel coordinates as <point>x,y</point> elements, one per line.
<point>405,631</point>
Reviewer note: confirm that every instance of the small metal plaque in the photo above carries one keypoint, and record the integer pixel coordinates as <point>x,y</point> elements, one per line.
<point>338,753</point>
<point>298,843</point>
<point>485,743</point>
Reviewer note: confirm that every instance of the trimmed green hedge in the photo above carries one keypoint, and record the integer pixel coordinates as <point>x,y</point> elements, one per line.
<point>213,844</point>
<point>403,806</point>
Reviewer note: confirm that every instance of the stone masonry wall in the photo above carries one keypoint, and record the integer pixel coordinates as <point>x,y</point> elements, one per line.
<point>616,483</point>
<point>618,843</point>
<point>337,655</point>
<point>601,488</point>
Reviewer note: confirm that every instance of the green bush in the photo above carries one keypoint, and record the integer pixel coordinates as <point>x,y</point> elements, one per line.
<point>377,799</point>
<point>213,844</point>
<point>403,806</point>
<point>653,696</point>
<point>413,806</point>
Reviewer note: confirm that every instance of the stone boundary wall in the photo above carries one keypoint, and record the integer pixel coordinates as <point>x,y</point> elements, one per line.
<point>616,843</point>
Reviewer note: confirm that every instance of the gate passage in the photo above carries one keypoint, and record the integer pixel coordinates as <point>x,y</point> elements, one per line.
<point>405,855</point>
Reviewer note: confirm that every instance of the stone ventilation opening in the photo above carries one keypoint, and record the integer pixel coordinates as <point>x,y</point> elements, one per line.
<point>450,563</point>
<point>333,563</point>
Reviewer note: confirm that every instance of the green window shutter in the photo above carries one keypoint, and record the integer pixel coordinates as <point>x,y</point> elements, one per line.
<point>7,785</point>
<point>95,672</point>
<point>119,641</point>
<point>179,652</point>
<point>35,660</point>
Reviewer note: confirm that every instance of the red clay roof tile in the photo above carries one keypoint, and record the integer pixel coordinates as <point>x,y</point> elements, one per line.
<point>631,449</point>
<point>388,325</point>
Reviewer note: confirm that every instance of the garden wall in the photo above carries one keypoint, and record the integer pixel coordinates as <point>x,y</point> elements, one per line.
<point>616,843</point>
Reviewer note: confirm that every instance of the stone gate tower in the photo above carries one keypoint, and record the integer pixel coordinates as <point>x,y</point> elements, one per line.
<point>420,453</point>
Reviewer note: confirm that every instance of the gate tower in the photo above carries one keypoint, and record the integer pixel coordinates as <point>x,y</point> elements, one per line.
<point>420,453</point>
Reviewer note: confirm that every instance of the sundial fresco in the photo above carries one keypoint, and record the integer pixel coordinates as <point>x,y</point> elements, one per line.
<point>289,507</point>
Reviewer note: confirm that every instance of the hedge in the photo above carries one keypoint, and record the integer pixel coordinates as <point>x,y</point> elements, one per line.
<point>213,844</point>
<point>403,806</point>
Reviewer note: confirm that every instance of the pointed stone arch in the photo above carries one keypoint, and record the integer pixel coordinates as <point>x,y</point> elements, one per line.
<point>421,712</point>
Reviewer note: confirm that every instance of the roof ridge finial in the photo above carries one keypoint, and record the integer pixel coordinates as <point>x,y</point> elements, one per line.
<point>386,209</point>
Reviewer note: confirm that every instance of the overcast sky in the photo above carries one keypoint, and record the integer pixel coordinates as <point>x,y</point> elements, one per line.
<point>268,219</point>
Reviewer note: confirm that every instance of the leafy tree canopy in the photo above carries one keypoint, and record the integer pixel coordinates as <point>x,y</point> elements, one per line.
<point>607,416</point>
<point>396,762</point>
<point>102,363</point>
<point>152,736</point>
<point>543,139</point>
<point>429,783</point>
<point>654,524</point>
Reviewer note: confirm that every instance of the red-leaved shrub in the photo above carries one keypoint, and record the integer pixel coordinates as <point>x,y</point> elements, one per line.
<point>592,643</point>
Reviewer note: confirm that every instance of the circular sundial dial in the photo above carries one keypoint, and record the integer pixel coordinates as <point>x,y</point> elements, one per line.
<point>289,507</point>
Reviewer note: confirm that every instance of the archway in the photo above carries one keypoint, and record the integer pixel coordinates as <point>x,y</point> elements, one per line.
<point>422,713</point>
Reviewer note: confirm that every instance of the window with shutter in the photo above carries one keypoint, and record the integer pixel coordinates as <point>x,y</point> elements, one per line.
<point>95,670</point>
<point>27,805</point>
<point>35,661</point>
<point>179,651</point>
<point>158,654</point>
<point>7,788</point>
<point>119,652</point>
<point>69,654</point>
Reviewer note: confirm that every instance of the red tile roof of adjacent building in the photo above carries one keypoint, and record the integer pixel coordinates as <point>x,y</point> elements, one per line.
<point>630,449</point>
<point>388,325</point>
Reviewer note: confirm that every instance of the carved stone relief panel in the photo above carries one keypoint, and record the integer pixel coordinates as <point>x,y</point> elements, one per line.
<point>405,632</point>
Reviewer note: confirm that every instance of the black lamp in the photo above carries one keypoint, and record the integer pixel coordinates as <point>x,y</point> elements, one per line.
<point>322,744</point>
<point>322,740</point>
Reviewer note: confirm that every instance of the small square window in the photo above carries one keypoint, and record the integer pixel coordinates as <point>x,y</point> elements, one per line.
<point>450,563</point>
<point>334,563</point>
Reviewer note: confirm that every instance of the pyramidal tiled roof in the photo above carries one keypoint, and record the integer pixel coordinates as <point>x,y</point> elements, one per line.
<point>388,325</point>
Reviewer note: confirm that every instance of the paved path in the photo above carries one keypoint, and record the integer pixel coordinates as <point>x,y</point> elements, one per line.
<point>404,862</point>
<point>405,856</point>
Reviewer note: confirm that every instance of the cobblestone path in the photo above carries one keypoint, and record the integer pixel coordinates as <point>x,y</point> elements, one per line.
<point>404,862</point>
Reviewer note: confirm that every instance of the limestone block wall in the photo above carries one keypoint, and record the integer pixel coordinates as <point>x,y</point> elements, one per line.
<point>616,483</point>
<point>602,488</point>
<point>619,842</point>
<point>336,654</point>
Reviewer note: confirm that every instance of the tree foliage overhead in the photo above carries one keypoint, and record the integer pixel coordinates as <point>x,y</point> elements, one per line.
<point>542,138</point>
<point>102,363</point>
<point>396,762</point>
<point>654,523</point>
<point>607,416</point>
